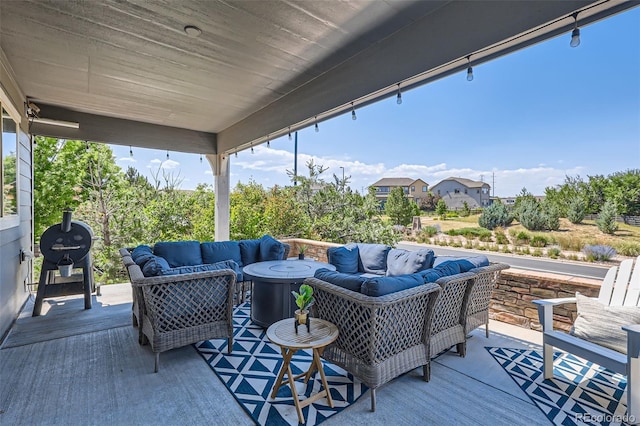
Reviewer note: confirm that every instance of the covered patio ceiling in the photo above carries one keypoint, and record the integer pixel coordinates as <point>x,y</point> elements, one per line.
<point>129,74</point>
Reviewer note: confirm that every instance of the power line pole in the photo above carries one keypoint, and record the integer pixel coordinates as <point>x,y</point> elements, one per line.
<point>493,183</point>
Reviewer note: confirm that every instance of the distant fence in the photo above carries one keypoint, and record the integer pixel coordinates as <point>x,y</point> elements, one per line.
<point>629,220</point>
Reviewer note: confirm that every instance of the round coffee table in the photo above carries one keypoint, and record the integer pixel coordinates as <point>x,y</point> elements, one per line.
<point>273,282</point>
<point>283,334</point>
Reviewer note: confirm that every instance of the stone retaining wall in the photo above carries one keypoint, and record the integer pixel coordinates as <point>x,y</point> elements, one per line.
<point>516,288</point>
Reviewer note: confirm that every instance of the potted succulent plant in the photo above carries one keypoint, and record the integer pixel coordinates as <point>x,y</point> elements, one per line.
<point>304,299</point>
<point>301,250</point>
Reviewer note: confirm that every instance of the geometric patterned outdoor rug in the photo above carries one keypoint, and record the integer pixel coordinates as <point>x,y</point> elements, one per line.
<point>580,392</point>
<point>251,369</point>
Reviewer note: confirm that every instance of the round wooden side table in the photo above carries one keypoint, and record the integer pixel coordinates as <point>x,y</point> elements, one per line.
<point>283,334</point>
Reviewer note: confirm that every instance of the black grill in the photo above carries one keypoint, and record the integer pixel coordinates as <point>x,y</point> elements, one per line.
<point>66,247</point>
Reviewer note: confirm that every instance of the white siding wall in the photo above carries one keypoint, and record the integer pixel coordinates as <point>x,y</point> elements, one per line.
<point>16,235</point>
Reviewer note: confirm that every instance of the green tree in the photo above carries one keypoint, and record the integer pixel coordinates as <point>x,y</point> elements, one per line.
<point>441,209</point>
<point>623,189</point>
<point>59,168</point>
<point>203,213</point>
<point>466,211</point>
<point>495,215</point>
<point>607,218</point>
<point>398,207</point>
<point>576,211</point>
<point>247,211</point>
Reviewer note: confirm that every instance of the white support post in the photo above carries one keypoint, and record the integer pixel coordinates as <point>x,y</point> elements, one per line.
<point>221,171</point>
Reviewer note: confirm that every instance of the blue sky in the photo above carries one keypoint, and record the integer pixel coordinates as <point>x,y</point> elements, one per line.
<point>527,119</point>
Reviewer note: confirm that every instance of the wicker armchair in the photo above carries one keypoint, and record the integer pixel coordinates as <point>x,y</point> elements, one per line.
<point>449,318</point>
<point>478,310</point>
<point>177,310</point>
<point>380,337</point>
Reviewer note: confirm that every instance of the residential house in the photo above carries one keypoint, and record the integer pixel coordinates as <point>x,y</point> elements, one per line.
<point>414,189</point>
<point>455,191</point>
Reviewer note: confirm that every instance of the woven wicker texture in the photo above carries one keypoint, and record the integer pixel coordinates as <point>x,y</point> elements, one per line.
<point>177,310</point>
<point>449,318</point>
<point>380,337</point>
<point>485,281</point>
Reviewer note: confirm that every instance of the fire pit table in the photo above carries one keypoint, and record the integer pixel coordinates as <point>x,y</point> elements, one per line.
<point>273,282</point>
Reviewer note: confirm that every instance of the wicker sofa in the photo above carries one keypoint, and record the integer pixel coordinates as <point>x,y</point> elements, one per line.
<point>392,336</point>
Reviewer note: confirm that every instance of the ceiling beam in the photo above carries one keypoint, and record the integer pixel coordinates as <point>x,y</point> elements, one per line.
<point>97,128</point>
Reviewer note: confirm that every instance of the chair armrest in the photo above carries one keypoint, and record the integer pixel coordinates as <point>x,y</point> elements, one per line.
<point>555,302</point>
<point>633,340</point>
<point>545,310</point>
<point>452,304</point>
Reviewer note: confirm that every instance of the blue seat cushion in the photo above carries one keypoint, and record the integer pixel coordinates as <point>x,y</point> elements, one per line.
<point>270,249</point>
<point>249,251</point>
<point>141,254</point>
<point>348,281</point>
<point>379,286</point>
<point>344,258</point>
<point>466,263</point>
<point>443,270</point>
<point>218,251</point>
<point>179,253</point>
<point>155,266</point>
<point>404,262</point>
<point>373,258</point>
<point>225,264</point>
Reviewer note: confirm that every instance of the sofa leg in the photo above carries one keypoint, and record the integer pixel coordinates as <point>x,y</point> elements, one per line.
<point>461,348</point>
<point>155,370</point>
<point>426,372</point>
<point>229,344</point>
<point>373,399</point>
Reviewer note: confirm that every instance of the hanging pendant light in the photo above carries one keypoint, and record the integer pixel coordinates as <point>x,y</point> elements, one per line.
<point>469,69</point>
<point>575,34</point>
<point>353,112</point>
<point>399,96</point>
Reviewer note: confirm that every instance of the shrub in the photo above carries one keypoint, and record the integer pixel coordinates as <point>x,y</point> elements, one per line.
<point>506,249</point>
<point>538,217</point>
<point>522,237</point>
<point>482,248</point>
<point>537,253</point>
<point>607,218</point>
<point>628,248</point>
<point>539,241</point>
<point>568,242</point>
<point>441,209</point>
<point>501,238</point>
<point>495,215</point>
<point>577,210</point>
<point>599,252</point>
<point>468,244</point>
<point>493,247</point>
<point>429,231</point>
<point>553,252</point>
<point>470,232</point>
<point>452,214</point>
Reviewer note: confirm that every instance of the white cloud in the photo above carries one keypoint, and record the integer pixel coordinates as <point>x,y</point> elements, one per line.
<point>268,166</point>
<point>126,160</point>
<point>163,164</point>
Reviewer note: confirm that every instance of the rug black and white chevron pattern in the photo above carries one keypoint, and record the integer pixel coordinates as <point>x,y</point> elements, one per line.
<point>580,393</point>
<point>250,371</point>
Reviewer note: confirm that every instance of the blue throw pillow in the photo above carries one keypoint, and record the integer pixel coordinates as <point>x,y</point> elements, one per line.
<point>379,286</point>
<point>404,262</point>
<point>179,253</point>
<point>373,258</point>
<point>443,270</point>
<point>225,264</point>
<point>155,266</point>
<point>218,251</point>
<point>249,251</point>
<point>344,258</point>
<point>348,281</point>
<point>141,254</point>
<point>466,263</point>
<point>270,249</point>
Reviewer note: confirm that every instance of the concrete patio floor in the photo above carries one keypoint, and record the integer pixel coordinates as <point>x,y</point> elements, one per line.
<point>72,366</point>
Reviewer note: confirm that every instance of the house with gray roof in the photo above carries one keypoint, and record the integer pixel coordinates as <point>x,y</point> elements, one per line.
<point>414,189</point>
<point>455,191</point>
